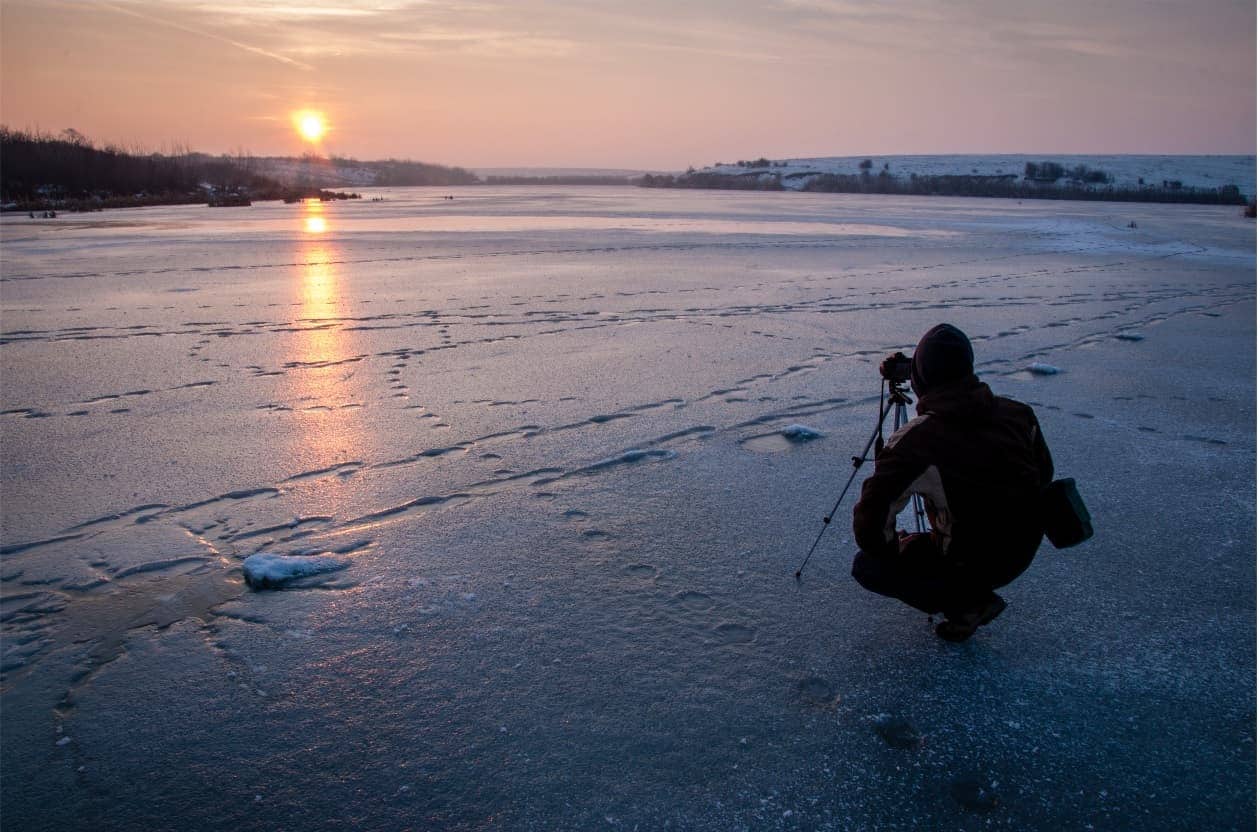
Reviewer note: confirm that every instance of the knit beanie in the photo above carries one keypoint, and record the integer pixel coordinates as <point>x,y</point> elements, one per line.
<point>943,356</point>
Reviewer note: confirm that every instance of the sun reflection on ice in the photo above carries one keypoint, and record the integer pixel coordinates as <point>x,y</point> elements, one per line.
<point>321,341</point>
<point>313,219</point>
<point>319,295</point>
<point>322,359</point>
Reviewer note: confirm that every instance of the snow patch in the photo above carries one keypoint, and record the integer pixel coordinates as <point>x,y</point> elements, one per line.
<point>263,571</point>
<point>801,433</point>
<point>635,455</point>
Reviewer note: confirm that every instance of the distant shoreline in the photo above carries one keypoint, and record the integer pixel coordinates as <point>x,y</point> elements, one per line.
<point>940,187</point>
<point>43,173</point>
<point>1220,180</point>
<point>40,172</point>
<point>111,201</point>
<point>957,186</point>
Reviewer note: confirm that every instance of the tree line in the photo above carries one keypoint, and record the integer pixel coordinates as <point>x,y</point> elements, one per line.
<point>404,172</point>
<point>1076,187</point>
<point>37,166</point>
<point>67,170</point>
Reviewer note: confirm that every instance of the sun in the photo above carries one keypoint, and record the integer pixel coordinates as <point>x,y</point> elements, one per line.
<point>311,125</point>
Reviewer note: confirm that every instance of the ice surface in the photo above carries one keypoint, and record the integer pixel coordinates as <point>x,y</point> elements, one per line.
<point>263,571</point>
<point>545,426</point>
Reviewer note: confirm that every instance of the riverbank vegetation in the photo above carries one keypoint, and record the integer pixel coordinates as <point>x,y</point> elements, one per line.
<point>406,173</point>
<point>69,172</point>
<point>1041,180</point>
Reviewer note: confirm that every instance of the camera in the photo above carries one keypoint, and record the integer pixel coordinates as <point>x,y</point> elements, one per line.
<point>896,367</point>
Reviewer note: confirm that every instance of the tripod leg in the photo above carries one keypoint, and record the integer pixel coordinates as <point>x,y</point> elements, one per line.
<point>916,502</point>
<point>876,441</point>
<point>920,514</point>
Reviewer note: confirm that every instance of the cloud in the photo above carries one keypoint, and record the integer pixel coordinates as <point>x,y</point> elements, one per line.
<point>1018,31</point>
<point>481,43</point>
<point>245,47</point>
<point>871,10</point>
<point>278,10</point>
<point>303,32</point>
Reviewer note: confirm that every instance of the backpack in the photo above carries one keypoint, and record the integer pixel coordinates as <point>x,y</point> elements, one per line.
<point>1064,515</point>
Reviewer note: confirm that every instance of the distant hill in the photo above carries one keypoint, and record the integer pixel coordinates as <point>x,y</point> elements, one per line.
<point>337,172</point>
<point>551,173</point>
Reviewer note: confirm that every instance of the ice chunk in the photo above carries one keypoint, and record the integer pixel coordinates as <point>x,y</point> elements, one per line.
<point>631,456</point>
<point>801,433</point>
<point>263,571</point>
<point>782,439</point>
<point>1039,369</point>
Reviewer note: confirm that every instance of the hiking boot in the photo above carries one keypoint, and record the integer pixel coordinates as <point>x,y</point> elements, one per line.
<point>963,626</point>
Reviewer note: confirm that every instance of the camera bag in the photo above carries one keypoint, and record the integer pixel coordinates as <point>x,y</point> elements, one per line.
<point>1064,514</point>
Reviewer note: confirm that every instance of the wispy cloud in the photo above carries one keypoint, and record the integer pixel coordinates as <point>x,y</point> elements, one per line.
<point>245,47</point>
<point>1058,37</point>
<point>305,32</point>
<point>480,42</point>
<point>1011,29</point>
<point>279,10</point>
<point>873,10</point>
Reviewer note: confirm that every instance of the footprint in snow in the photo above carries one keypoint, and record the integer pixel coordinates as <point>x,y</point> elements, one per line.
<point>694,600</point>
<point>898,732</point>
<point>974,792</point>
<point>816,692</point>
<point>731,633</point>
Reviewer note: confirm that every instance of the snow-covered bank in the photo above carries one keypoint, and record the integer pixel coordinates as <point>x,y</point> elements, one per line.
<point>1132,174</point>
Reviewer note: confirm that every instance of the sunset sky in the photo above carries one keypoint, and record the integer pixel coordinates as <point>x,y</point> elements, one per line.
<point>651,84</point>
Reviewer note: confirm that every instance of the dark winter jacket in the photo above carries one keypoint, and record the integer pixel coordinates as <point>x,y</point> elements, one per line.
<point>979,461</point>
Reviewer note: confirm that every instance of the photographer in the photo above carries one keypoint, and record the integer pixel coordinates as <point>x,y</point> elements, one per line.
<point>979,463</point>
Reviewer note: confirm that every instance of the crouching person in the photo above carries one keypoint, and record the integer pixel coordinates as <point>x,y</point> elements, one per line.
<point>979,462</point>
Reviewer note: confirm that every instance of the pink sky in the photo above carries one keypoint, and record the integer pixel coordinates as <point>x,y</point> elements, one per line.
<point>650,85</point>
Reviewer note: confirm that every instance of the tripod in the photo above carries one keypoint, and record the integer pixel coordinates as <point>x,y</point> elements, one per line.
<point>897,399</point>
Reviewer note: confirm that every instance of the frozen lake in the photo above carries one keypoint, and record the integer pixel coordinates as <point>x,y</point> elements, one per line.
<point>538,433</point>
